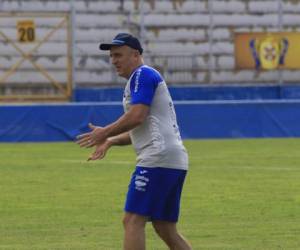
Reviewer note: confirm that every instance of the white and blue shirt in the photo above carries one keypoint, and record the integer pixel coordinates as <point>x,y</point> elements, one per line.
<point>157,140</point>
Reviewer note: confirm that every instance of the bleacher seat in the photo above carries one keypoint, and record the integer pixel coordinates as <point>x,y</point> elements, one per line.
<point>189,34</point>
<point>229,7</point>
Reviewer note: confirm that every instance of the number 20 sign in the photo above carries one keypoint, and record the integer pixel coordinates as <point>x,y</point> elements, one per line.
<point>26,31</point>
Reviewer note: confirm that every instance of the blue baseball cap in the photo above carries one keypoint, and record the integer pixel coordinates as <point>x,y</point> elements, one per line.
<point>123,39</point>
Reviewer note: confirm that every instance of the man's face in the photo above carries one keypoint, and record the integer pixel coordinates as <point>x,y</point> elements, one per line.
<point>124,59</point>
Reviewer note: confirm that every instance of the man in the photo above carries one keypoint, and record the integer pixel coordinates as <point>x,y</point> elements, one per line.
<point>149,123</point>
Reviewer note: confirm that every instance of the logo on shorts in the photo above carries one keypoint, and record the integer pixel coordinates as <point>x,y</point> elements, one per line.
<point>141,182</point>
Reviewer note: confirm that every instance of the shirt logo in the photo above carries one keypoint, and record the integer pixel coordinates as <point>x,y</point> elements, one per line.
<point>136,82</point>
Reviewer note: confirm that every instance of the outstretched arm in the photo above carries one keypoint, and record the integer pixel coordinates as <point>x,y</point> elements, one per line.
<point>101,149</point>
<point>133,118</point>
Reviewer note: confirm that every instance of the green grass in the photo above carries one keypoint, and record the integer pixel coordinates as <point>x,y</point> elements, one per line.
<point>239,194</point>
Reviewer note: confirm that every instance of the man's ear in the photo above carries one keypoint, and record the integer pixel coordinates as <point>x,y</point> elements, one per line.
<point>136,53</point>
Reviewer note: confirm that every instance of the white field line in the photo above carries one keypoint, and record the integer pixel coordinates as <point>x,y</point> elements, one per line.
<point>97,161</point>
<point>255,168</point>
<point>201,167</point>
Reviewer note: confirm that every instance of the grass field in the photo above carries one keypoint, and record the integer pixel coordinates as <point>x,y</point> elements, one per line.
<point>239,194</point>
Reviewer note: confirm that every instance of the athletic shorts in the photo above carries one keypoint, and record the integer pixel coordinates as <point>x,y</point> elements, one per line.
<point>155,193</point>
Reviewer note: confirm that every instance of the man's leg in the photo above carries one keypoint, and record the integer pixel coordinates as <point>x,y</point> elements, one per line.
<point>134,226</point>
<point>167,231</point>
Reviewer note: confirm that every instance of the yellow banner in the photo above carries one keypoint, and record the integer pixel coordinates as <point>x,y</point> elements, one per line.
<point>267,51</point>
<point>26,31</point>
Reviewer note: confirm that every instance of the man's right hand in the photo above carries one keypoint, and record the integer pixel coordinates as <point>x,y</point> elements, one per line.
<point>96,136</point>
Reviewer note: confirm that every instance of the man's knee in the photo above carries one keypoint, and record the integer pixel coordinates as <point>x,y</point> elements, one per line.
<point>133,221</point>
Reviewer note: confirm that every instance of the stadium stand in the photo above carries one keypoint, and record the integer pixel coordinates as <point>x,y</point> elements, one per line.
<point>190,41</point>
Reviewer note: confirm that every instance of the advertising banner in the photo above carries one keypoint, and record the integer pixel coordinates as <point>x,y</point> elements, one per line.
<point>267,51</point>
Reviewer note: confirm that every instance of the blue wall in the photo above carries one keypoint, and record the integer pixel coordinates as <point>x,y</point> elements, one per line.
<point>207,93</point>
<point>197,119</point>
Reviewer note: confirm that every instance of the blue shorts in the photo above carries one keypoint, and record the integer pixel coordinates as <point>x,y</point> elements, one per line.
<point>155,193</point>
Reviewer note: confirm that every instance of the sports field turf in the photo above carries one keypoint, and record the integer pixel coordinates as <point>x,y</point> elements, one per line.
<point>239,194</point>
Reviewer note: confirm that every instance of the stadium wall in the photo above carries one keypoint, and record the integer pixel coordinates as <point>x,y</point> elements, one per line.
<point>196,119</point>
<point>203,93</point>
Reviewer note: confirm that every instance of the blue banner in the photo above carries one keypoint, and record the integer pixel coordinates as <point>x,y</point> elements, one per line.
<point>196,119</point>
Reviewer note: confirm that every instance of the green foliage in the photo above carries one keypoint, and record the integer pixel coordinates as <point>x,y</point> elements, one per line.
<point>239,194</point>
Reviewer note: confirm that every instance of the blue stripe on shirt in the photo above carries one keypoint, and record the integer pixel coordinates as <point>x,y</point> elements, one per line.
<point>143,85</point>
